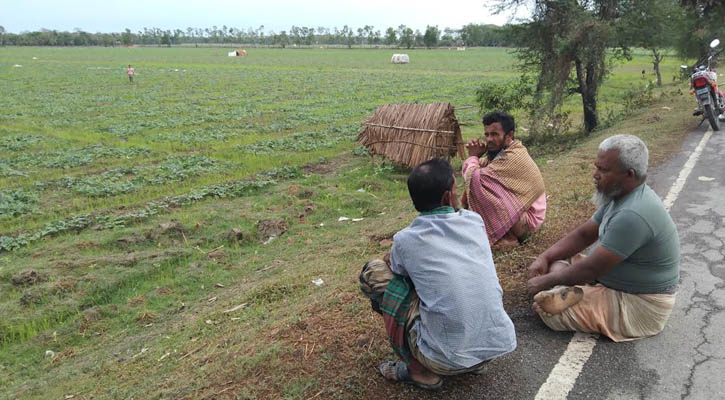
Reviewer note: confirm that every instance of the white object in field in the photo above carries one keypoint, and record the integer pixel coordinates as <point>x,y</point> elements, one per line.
<point>461,48</point>
<point>400,59</point>
<point>318,282</point>
<point>232,54</point>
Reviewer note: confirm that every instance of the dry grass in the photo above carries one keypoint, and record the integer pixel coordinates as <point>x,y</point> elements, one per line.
<point>412,133</point>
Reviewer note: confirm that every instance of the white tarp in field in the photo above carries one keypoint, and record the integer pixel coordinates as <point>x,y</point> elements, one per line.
<point>400,59</point>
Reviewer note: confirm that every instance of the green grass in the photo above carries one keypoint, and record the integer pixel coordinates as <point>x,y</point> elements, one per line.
<point>122,197</point>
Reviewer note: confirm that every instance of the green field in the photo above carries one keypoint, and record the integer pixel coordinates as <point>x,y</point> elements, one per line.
<point>122,198</point>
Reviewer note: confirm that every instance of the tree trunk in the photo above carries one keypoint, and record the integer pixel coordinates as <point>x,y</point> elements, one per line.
<point>656,58</point>
<point>586,75</point>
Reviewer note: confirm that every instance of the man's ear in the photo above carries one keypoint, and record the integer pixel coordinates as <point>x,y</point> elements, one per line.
<point>446,198</point>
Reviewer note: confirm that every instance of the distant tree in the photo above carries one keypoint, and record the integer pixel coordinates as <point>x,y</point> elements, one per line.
<point>283,39</point>
<point>309,35</point>
<point>430,38</point>
<point>649,24</point>
<point>360,35</point>
<point>126,37</point>
<point>449,37</point>
<point>418,38</point>
<point>369,33</point>
<point>2,35</point>
<point>390,38</point>
<point>166,38</point>
<point>377,37</point>
<point>406,37</point>
<point>472,34</point>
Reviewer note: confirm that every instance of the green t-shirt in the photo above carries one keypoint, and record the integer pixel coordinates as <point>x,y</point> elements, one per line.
<point>638,228</point>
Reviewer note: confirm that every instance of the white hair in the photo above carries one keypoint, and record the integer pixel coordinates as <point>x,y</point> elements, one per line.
<point>633,153</point>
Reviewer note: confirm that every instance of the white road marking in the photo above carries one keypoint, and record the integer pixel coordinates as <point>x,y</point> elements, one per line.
<point>685,171</point>
<point>562,378</point>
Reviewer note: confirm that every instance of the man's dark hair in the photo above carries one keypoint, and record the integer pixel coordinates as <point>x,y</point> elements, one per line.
<point>502,117</point>
<point>428,182</point>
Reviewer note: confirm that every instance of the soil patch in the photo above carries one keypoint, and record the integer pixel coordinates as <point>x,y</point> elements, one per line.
<point>27,278</point>
<point>268,228</point>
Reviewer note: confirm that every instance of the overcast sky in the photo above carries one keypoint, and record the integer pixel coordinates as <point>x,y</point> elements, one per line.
<point>114,16</point>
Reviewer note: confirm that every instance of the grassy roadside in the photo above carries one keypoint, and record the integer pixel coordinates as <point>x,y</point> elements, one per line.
<point>157,328</point>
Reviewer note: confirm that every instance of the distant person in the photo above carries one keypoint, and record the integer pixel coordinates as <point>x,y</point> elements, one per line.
<point>643,74</point>
<point>625,288</point>
<point>503,183</point>
<point>437,289</point>
<point>130,71</point>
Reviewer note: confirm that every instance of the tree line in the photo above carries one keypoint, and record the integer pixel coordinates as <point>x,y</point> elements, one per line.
<point>402,36</point>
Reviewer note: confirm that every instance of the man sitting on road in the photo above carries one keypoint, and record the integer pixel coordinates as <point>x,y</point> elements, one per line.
<point>505,187</point>
<point>626,286</point>
<point>437,289</point>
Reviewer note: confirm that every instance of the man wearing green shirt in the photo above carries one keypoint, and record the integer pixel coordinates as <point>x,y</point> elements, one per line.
<point>625,287</point>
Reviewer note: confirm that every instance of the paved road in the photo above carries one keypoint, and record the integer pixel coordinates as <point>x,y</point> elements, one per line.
<point>687,360</point>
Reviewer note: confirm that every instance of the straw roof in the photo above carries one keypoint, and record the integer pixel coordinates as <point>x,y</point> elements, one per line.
<point>412,133</point>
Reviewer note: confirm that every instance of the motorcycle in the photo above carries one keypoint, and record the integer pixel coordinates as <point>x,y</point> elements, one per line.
<point>703,82</point>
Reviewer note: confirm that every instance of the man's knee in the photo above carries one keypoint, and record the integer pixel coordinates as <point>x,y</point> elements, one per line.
<point>374,278</point>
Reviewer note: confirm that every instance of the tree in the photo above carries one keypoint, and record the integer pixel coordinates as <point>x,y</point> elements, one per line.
<point>472,34</point>
<point>449,37</point>
<point>649,24</point>
<point>703,22</point>
<point>406,37</point>
<point>2,34</point>
<point>430,38</point>
<point>369,33</point>
<point>166,38</point>
<point>126,37</point>
<point>566,35</point>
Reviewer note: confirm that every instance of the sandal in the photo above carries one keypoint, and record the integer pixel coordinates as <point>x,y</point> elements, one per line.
<point>397,371</point>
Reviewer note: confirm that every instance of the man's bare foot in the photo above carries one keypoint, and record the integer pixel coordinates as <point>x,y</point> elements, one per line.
<point>558,299</point>
<point>426,377</point>
<point>506,242</point>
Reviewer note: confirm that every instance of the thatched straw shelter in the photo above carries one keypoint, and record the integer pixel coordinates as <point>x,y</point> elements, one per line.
<point>412,133</point>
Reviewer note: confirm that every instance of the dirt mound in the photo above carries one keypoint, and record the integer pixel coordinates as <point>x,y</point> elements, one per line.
<point>268,228</point>
<point>235,235</point>
<point>300,192</point>
<point>27,278</point>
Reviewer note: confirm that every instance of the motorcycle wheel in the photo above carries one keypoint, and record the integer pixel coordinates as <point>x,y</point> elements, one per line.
<point>712,117</point>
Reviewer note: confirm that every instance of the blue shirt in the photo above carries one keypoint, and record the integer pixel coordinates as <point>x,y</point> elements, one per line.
<point>447,256</point>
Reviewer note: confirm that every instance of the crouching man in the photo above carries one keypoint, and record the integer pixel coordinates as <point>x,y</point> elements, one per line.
<point>625,288</point>
<point>437,289</point>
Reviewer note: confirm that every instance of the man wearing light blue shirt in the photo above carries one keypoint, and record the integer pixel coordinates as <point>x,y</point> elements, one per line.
<point>438,290</point>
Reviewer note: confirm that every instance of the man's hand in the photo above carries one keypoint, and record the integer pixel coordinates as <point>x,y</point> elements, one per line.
<point>475,148</point>
<point>537,284</point>
<point>386,258</point>
<point>540,266</point>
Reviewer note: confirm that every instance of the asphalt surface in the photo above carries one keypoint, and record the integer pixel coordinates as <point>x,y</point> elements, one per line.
<point>686,360</point>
